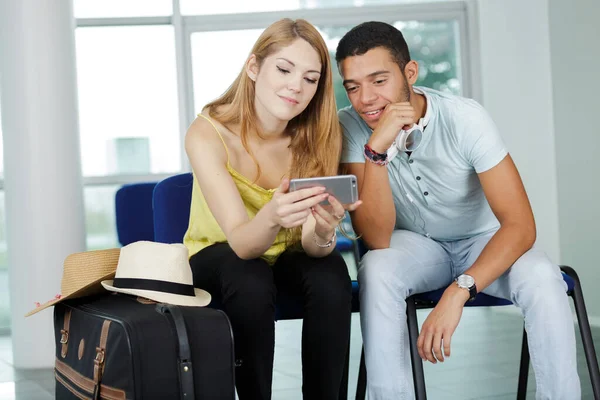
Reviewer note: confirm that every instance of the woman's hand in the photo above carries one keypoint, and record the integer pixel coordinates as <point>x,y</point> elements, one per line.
<point>290,210</point>
<point>329,217</point>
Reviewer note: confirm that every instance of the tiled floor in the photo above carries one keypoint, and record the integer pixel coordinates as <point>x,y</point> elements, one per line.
<point>484,362</point>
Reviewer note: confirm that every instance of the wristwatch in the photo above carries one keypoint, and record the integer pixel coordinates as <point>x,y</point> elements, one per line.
<point>467,282</point>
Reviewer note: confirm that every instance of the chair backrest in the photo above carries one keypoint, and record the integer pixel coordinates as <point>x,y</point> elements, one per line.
<point>172,199</point>
<point>133,212</point>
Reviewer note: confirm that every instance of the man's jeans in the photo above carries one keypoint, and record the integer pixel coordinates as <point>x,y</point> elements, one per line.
<point>416,264</point>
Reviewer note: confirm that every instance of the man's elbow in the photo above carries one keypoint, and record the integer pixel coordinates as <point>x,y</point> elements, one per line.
<point>530,235</point>
<point>525,231</point>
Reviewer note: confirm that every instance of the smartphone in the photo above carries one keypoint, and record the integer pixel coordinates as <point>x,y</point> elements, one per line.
<point>343,187</point>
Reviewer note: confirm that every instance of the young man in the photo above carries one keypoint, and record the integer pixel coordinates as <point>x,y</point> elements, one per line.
<point>443,206</point>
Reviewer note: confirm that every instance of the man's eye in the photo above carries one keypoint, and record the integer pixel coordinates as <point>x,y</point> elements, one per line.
<point>351,89</point>
<point>380,81</point>
<point>283,71</point>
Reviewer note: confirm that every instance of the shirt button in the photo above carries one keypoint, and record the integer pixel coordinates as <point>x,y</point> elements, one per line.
<point>426,193</point>
<point>418,178</point>
<point>410,161</point>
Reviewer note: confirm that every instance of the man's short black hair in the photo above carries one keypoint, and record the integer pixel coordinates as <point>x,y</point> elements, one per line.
<point>370,35</point>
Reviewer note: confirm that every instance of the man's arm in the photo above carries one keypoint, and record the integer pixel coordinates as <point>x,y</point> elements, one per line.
<point>506,195</point>
<point>376,218</point>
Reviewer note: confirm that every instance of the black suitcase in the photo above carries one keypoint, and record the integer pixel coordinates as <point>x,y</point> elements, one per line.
<point>115,346</point>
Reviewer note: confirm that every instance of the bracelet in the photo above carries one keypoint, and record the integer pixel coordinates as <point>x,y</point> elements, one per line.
<point>375,157</point>
<point>328,244</point>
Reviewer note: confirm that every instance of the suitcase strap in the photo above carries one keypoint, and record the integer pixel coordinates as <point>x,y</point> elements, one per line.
<point>99,359</point>
<point>186,375</point>
<point>64,334</point>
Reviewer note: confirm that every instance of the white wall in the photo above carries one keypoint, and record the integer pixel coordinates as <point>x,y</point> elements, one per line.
<point>575,61</point>
<point>517,91</point>
<point>540,63</point>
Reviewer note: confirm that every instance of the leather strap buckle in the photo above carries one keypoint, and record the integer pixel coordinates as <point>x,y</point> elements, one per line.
<point>64,336</point>
<point>99,356</point>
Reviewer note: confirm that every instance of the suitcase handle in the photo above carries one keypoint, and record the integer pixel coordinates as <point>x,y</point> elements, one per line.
<point>186,375</point>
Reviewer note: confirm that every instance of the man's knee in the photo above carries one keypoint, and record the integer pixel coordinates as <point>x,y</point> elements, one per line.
<point>379,273</point>
<point>533,276</point>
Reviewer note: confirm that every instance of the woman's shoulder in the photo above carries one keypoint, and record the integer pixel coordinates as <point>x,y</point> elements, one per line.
<point>204,135</point>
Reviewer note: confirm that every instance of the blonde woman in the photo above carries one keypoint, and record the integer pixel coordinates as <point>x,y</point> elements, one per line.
<point>248,237</point>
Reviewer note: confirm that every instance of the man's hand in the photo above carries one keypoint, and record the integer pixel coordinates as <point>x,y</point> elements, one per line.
<point>440,325</point>
<point>395,117</point>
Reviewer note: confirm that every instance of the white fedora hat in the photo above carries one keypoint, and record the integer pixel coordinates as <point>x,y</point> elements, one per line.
<point>159,272</point>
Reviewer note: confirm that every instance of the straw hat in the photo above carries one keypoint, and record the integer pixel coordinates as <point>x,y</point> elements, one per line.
<point>159,272</point>
<point>82,274</point>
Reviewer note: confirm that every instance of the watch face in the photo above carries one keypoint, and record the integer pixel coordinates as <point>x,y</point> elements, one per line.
<point>465,281</point>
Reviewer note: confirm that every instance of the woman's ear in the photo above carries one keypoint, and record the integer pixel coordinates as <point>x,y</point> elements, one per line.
<point>411,71</point>
<point>252,67</point>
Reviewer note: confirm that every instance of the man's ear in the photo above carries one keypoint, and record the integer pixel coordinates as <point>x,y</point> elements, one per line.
<point>252,67</point>
<point>411,71</point>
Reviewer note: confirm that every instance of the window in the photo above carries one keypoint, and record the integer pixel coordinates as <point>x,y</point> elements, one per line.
<point>433,44</point>
<point>128,110</point>
<point>99,205</point>
<point>213,74</point>
<point>128,115</point>
<point>199,7</point>
<point>121,8</point>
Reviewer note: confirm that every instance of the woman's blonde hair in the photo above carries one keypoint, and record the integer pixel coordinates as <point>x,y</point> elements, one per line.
<point>316,134</point>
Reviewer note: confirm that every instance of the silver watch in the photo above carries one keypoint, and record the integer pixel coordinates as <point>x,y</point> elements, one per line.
<point>465,281</point>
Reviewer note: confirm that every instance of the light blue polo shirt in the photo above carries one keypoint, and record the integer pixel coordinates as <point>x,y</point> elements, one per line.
<point>459,141</point>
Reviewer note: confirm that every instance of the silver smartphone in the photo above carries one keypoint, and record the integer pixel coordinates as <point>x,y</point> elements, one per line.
<point>343,187</point>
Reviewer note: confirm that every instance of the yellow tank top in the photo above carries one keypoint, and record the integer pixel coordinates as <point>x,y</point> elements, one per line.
<point>203,229</point>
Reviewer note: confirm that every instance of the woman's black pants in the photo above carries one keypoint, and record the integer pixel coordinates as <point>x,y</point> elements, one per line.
<point>247,290</point>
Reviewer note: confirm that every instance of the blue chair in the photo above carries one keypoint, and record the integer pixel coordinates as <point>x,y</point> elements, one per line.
<point>172,199</point>
<point>171,202</point>
<point>430,299</point>
<point>133,210</point>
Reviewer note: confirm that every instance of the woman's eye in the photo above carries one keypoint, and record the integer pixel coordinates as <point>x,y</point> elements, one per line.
<point>311,81</point>
<point>283,71</point>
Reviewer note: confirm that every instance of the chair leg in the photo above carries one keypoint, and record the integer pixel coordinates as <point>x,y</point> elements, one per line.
<point>586,332</point>
<point>523,369</point>
<point>356,253</point>
<point>417,363</point>
<point>343,395</point>
<point>361,385</point>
